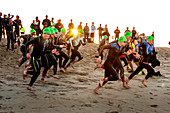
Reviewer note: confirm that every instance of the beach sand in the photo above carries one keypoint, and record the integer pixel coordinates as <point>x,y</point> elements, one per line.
<point>73,93</point>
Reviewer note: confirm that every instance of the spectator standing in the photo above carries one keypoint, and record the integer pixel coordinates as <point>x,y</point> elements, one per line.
<point>100,32</point>
<point>93,28</point>
<point>86,33</point>
<point>117,32</point>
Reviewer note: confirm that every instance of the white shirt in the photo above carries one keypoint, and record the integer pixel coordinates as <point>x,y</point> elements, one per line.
<point>93,28</point>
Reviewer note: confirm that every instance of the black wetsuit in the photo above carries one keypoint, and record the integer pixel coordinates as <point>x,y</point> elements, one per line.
<point>62,54</point>
<point>48,58</point>
<point>38,51</point>
<point>102,43</point>
<point>76,43</point>
<point>112,62</point>
<point>24,49</point>
<point>148,51</point>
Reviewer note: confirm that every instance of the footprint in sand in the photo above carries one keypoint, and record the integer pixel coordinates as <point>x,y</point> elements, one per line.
<point>155,106</point>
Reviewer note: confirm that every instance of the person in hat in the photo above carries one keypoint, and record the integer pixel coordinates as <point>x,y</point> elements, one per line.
<point>75,43</point>
<point>112,61</point>
<point>24,49</point>
<point>148,51</point>
<point>40,45</point>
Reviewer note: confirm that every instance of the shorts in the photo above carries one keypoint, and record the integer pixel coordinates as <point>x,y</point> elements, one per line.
<point>132,57</point>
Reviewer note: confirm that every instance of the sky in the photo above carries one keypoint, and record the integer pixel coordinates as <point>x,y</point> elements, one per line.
<point>145,15</point>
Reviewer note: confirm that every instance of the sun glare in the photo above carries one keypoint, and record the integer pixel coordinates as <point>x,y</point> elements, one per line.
<point>74,32</point>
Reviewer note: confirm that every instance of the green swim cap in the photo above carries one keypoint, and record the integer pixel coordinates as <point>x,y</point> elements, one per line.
<point>52,31</point>
<point>121,39</point>
<point>49,27</point>
<point>105,36</point>
<point>22,29</point>
<point>55,30</point>
<point>81,31</point>
<point>46,30</point>
<point>128,34</point>
<point>32,31</point>
<point>63,30</point>
<point>150,38</point>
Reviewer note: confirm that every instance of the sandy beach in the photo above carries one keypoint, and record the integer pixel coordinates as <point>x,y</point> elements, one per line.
<point>73,93</point>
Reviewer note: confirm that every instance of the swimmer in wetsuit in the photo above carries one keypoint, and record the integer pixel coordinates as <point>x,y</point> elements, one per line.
<point>113,59</point>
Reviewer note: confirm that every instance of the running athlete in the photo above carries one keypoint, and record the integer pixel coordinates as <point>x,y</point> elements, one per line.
<point>102,43</point>
<point>68,35</point>
<point>60,40</point>
<point>24,49</point>
<point>132,44</point>
<point>112,62</point>
<point>148,51</point>
<point>75,43</point>
<point>38,50</point>
<point>49,58</point>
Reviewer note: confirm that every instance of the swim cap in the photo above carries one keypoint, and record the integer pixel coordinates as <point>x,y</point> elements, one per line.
<point>81,31</point>
<point>150,38</point>
<point>52,31</point>
<point>63,30</point>
<point>55,30</point>
<point>32,31</point>
<point>46,30</point>
<point>121,39</point>
<point>128,34</point>
<point>49,27</point>
<point>22,29</point>
<point>105,36</point>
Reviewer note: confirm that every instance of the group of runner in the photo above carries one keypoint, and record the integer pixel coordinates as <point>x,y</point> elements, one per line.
<point>48,51</point>
<point>126,49</point>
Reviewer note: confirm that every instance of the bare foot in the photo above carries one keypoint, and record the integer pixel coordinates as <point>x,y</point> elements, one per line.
<point>101,82</point>
<point>24,74</point>
<point>62,70</point>
<point>97,66</point>
<point>127,81</point>
<point>93,56</point>
<point>97,91</point>
<point>144,82</point>
<point>17,66</point>
<point>28,68</point>
<point>55,76</point>
<point>42,81</point>
<point>30,88</point>
<point>19,59</point>
<point>125,85</point>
